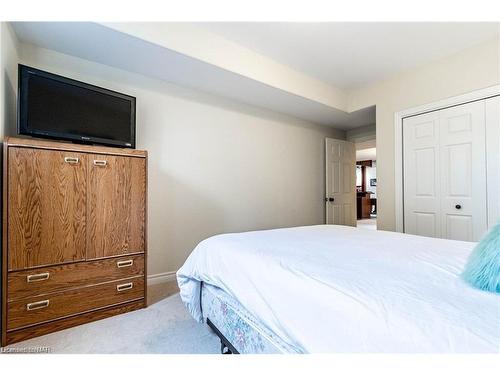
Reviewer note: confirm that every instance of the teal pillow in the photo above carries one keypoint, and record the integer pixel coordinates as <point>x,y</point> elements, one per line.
<point>483,266</point>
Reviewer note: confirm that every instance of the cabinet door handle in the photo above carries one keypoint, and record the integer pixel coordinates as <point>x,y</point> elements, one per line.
<point>125,263</point>
<point>100,163</point>
<point>37,305</point>
<point>37,277</point>
<point>122,287</point>
<point>71,160</point>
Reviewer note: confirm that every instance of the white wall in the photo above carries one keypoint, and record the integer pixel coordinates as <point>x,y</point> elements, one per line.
<point>214,165</point>
<point>466,71</point>
<point>8,79</point>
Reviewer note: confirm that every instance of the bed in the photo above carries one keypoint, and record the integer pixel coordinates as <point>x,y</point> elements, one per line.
<point>327,288</point>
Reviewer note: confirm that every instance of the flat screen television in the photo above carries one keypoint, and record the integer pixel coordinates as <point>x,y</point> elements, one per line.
<point>52,106</point>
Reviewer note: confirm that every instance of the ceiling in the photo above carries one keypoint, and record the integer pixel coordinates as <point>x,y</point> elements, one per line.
<point>354,54</point>
<point>102,44</point>
<point>366,154</point>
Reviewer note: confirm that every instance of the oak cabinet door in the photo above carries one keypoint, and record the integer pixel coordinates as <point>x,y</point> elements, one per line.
<point>117,205</point>
<point>46,207</point>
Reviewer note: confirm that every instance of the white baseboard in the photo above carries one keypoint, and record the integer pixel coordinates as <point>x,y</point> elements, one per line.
<point>161,278</point>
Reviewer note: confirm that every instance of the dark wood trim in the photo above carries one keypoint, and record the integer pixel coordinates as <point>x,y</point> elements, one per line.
<point>363,178</point>
<point>58,325</point>
<point>365,163</point>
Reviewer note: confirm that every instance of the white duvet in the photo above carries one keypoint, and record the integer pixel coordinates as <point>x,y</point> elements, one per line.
<point>341,289</point>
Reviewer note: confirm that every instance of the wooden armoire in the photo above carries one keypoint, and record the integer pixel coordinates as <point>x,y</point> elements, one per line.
<point>74,235</point>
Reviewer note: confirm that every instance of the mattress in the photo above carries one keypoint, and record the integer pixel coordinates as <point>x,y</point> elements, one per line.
<point>323,289</point>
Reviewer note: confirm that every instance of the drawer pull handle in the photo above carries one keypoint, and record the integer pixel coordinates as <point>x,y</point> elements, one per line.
<point>38,277</point>
<point>37,305</point>
<point>122,287</point>
<point>100,163</point>
<point>125,263</point>
<point>71,160</point>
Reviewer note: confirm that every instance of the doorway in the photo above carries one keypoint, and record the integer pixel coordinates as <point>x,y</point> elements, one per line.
<point>366,187</point>
<point>345,184</point>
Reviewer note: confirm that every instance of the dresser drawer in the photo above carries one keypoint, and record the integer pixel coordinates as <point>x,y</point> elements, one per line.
<point>40,281</point>
<point>35,310</point>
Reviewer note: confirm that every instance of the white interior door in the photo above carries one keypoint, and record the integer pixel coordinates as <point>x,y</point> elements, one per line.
<point>445,173</point>
<point>340,198</point>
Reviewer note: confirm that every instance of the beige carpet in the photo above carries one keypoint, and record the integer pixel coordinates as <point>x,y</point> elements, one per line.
<point>368,224</point>
<point>164,326</point>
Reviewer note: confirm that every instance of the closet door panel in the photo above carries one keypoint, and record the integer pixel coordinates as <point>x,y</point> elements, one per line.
<point>421,175</point>
<point>47,192</point>
<point>463,176</point>
<point>493,159</point>
<point>458,227</point>
<point>117,201</point>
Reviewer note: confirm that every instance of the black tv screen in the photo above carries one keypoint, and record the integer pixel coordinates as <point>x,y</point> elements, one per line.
<point>57,107</point>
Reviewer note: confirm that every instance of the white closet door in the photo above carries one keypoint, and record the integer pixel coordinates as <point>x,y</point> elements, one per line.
<point>493,159</point>
<point>463,172</point>
<point>422,204</point>
<point>445,173</point>
<point>340,199</point>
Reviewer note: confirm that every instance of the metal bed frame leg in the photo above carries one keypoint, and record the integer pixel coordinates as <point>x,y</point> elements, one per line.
<point>225,346</point>
<point>224,349</point>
